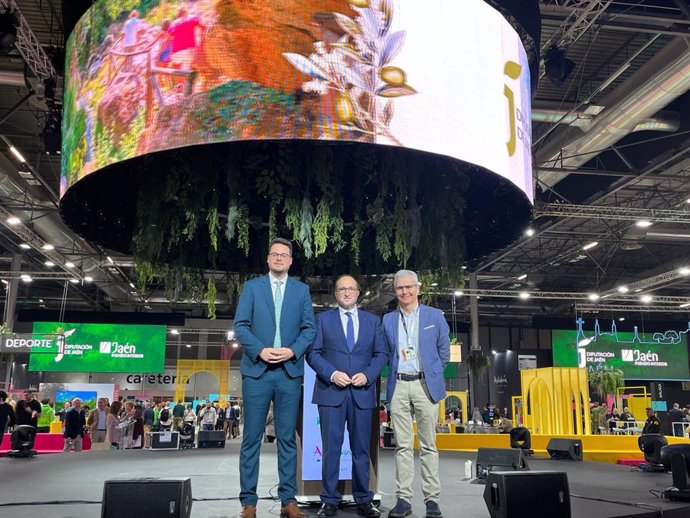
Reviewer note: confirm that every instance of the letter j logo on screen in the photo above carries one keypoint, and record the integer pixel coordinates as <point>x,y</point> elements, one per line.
<point>105,347</point>
<point>627,355</point>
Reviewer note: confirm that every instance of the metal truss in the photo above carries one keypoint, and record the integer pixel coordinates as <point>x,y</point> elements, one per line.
<point>37,276</point>
<point>34,240</point>
<point>568,210</point>
<point>619,308</point>
<point>570,295</point>
<point>28,46</point>
<point>583,15</point>
<point>655,280</point>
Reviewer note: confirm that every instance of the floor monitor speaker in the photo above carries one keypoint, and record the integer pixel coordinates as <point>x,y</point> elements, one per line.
<point>499,459</point>
<point>570,449</point>
<point>211,439</point>
<point>150,497</point>
<point>537,494</point>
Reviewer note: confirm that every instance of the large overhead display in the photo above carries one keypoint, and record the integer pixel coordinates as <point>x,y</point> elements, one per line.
<point>446,77</point>
<point>641,356</point>
<point>100,348</point>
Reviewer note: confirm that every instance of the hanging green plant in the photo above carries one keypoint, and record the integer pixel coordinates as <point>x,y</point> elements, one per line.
<point>211,293</point>
<point>292,216</point>
<point>305,229</point>
<point>243,228</point>
<point>606,382</point>
<point>145,272</point>
<point>213,227</point>
<point>477,363</point>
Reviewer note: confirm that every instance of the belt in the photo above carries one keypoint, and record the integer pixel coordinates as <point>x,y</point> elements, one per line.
<point>410,377</point>
<point>101,429</point>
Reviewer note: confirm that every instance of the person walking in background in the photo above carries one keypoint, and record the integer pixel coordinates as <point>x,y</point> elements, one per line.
<point>97,425</point>
<point>28,410</point>
<point>47,416</point>
<point>348,354</point>
<point>112,426</point>
<point>149,416</point>
<point>75,421</point>
<point>274,322</point>
<point>419,345</point>
<point>7,417</point>
<point>178,414</point>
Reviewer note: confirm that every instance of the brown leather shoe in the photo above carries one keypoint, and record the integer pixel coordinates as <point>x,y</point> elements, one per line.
<point>292,511</point>
<point>248,511</point>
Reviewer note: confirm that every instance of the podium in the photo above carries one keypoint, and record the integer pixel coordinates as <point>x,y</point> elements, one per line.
<point>309,450</point>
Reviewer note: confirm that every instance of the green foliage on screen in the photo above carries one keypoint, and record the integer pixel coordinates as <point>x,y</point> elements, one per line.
<point>651,356</point>
<point>100,348</point>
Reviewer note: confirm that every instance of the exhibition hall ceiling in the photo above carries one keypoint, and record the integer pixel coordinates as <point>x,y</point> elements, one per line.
<point>610,132</point>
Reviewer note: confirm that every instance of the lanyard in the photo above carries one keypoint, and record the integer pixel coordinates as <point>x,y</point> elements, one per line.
<point>409,334</point>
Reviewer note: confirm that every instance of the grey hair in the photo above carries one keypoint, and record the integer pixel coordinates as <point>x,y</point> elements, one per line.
<point>75,399</point>
<point>405,273</point>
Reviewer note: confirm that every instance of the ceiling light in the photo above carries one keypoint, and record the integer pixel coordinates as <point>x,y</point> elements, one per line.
<point>591,245</point>
<point>646,299</point>
<point>524,295</point>
<point>623,289</point>
<point>69,264</point>
<point>13,220</point>
<point>48,246</point>
<point>522,277</point>
<point>28,279</point>
<point>110,259</point>
<point>74,281</point>
<point>687,304</point>
<point>643,223</point>
<point>188,346</point>
<point>593,296</point>
<point>88,279</point>
<point>235,345</point>
<point>40,300</point>
<point>458,293</point>
<point>493,351</point>
<point>24,246</point>
<point>131,285</point>
<point>684,271</point>
<point>621,319</point>
<point>49,264</point>
<point>367,293</point>
<point>638,290</point>
<point>687,201</point>
<point>529,232</point>
<point>434,284</point>
<point>17,154</point>
<point>174,332</point>
<point>4,281</point>
<point>24,276</point>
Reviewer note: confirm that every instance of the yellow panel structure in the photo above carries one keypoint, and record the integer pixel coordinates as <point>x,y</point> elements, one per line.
<point>187,368</point>
<point>637,399</point>
<point>556,401</point>
<point>454,399</point>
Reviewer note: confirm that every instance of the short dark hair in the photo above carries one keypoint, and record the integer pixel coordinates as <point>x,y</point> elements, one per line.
<point>649,409</point>
<point>45,401</point>
<point>3,395</point>
<point>280,241</point>
<point>346,275</point>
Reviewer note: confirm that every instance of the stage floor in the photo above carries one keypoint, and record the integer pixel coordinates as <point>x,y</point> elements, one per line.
<point>214,474</point>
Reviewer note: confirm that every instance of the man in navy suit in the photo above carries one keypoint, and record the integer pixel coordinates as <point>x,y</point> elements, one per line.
<point>347,355</point>
<point>274,335</point>
<point>418,342</point>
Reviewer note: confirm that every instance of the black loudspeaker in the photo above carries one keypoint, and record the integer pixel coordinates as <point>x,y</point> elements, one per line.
<point>499,459</point>
<point>211,439</point>
<point>150,497</point>
<point>537,494</point>
<point>570,449</point>
<point>669,450</point>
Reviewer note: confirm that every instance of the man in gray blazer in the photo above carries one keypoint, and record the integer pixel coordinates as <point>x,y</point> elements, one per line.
<point>419,346</point>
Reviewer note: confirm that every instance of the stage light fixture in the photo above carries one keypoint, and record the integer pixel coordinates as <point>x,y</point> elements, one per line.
<point>557,66</point>
<point>646,299</point>
<point>623,289</point>
<point>69,264</point>
<point>49,264</point>
<point>174,332</point>
<point>524,295</point>
<point>591,245</point>
<point>12,220</point>
<point>458,293</point>
<point>650,444</point>
<point>25,246</point>
<point>529,232</point>
<point>8,31</point>
<point>643,224</point>
<point>621,319</point>
<point>593,297</point>
<point>88,279</point>
<point>52,134</point>
<point>22,441</point>
<point>686,305</point>
<point>48,246</point>
<point>522,277</point>
<point>17,154</point>
<point>684,271</point>
<point>74,281</point>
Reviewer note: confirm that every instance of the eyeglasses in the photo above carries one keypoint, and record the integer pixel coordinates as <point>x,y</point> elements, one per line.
<point>345,289</point>
<point>276,255</point>
<point>405,288</point>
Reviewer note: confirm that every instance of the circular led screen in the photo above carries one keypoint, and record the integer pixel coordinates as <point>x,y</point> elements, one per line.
<point>446,77</point>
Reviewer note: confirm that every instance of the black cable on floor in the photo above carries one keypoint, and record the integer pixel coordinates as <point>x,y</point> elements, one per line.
<point>639,505</point>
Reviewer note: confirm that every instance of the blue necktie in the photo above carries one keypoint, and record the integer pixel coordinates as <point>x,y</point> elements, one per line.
<point>350,334</point>
<point>278,301</point>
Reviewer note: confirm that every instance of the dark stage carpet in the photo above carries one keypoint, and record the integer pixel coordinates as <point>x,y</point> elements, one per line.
<point>214,474</point>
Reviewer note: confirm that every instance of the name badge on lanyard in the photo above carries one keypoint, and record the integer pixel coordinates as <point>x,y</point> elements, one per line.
<point>407,352</point>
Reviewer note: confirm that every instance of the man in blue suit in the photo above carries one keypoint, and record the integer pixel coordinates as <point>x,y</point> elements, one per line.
<point>418,342</point>
<point>347,355</point>
<point>274,336</point>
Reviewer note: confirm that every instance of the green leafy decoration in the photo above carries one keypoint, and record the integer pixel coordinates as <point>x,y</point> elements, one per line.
<point>213,227</point>
<point>145,272</point>
<point>320,225</point>
<point>231,223</point>
<point>211,293</point>
<point>292,216</point>
<point>306,219</point>
<point>243,228</point>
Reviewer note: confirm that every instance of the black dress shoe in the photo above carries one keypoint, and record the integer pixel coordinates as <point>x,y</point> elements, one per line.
<point>327,510</point>
<point>368,510</point>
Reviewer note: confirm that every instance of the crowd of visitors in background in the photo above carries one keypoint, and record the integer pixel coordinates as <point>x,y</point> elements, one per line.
<point>611,421</point>
<point>117,425</point>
